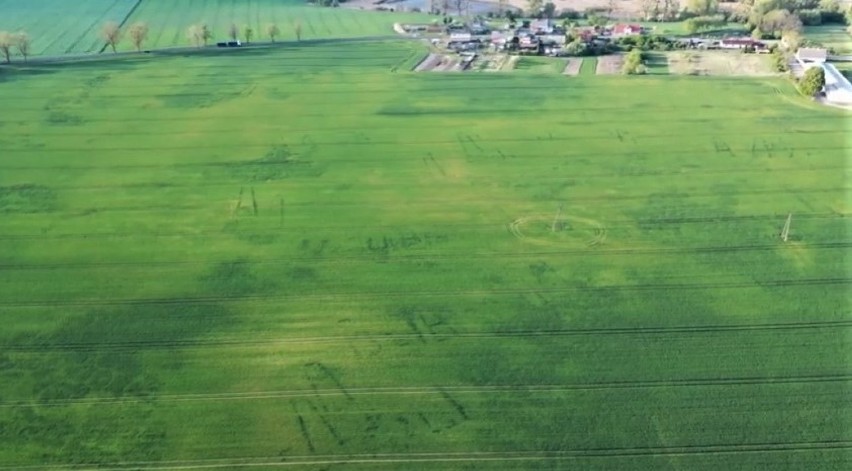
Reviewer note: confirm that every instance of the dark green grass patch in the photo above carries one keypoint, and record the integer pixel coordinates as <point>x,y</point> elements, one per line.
<point>27,198</point>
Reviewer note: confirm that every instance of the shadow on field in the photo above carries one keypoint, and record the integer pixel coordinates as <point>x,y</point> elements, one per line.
<point>108,351</point>
<point>127,59</point>
<point>13,73</point>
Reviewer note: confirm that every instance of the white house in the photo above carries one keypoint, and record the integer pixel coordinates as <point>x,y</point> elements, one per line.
<point>811,55</point>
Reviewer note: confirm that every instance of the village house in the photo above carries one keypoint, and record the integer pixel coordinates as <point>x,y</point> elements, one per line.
<point>742,43</point>
<point>811,55</point>
<point>546,26</point>
<point>622,30</point>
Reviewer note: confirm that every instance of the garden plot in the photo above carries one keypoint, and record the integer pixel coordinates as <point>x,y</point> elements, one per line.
<point>719,63</point>
<point>573,67</point>
<point>440,63</point>
<point>610,65</point>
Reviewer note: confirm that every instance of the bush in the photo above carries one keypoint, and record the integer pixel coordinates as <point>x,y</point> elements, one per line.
<point>633,63</point>
<point>810,17</point>
<point>832,17</point>
<point>570,14</point>
<point>813,81</point>
<point>698,23</point>
<point>779,60</point>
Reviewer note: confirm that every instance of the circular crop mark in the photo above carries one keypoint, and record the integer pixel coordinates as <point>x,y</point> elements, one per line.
<point>566,230</point>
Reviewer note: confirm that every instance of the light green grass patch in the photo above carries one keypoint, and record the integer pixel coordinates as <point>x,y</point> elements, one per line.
<point>540,65</point>
<point>835,37</point>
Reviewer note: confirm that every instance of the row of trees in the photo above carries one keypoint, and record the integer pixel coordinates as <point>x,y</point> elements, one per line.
<point>200,34</point>
<point>112,34</point>
<point>19,41</point>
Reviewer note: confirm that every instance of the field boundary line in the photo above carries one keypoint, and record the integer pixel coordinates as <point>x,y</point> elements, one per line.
<point>432,390</point>
<point>349,296</point>
<point>439,457</point>
<point>123,22</point>
<point>242,343</point>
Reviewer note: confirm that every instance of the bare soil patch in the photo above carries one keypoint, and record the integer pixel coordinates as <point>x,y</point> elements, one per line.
<point>610,65</point>
<point>439,63</point>
<point>428,63</point>
<point>623,8</point>
<point>573,66</point>
<point>719,63</point>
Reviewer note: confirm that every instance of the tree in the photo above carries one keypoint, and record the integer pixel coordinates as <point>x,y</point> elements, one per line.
<point>272,31</point>
<point>549,10</point>
<point>703,7</point>
<point>596,20</point>
<point>22,42</point>
<point>138,34</point>
<point>501,6</point>
<point>792,39</point>
<point>633,63</point>
<point>248,33</point>
<point>111,33</point>
<point>460,6</point>
<point>691,26</point>
<point>535,6</point>
<point>650,9</point>
<point>813,81</point>
<point>206,33</point>
<point>776,22</point>
<point>671,9</point>
<point>7,40</point>
<point>233,32</point>
<point>576,47</point>
<point>297,28</point>
<point>199,34</point>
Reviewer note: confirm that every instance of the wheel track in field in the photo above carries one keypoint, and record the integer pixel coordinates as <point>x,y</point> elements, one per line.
<point>133,346</point>
<point>211,183</point>
<point>490,201</point>
<point>436,294</point>
<point>450,457</point>
<point>614,223</point>
<point>432,390</point>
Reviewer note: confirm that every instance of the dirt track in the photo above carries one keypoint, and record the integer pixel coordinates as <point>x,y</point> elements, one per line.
<point>573,66</point>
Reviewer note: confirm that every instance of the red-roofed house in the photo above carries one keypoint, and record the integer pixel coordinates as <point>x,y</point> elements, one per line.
<point>621,30</point>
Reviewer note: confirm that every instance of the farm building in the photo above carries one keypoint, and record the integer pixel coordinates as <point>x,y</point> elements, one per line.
<point>621,30</point>
<point>545,26</point>
<point>811,55</point>
<point>741,43</point>
<point>529,43</point>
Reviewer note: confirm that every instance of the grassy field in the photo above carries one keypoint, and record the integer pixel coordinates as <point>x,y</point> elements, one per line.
<point>539,65</point>
<point>169,20</point>
<point>307,256</point>
<point>831,36</point>
<point>60,27</point>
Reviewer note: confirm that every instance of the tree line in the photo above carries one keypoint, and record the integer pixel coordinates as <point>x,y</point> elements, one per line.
<point>113,34</point>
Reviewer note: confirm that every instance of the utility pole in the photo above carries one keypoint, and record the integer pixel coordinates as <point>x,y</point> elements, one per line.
<point>785,233</point>
<point>556,218</point>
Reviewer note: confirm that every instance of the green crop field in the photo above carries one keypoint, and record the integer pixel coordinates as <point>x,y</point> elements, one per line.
<point>306,257</point>
<point>61,27</point>
<point>832,36</point>
<point>169,20</point>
